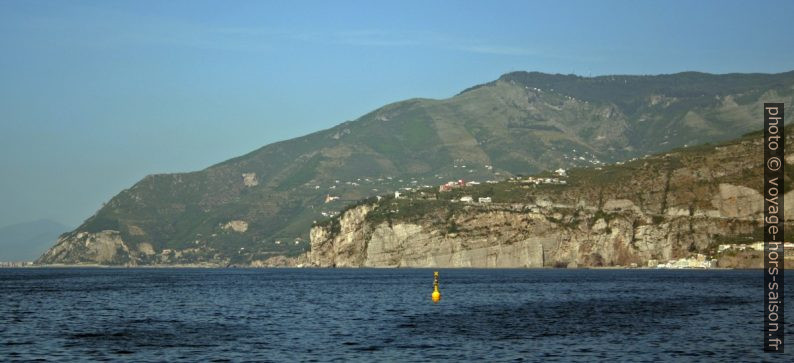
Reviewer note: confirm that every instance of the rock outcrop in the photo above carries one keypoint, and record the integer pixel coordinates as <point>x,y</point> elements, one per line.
<point>105,247</point>
<point>735,201</point>
<point>520,124</point>
<point>349,246</point>
<point>659,208</point>
<point>529,236</point>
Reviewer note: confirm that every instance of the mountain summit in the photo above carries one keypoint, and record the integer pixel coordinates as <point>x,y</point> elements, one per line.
<point>261,205</point>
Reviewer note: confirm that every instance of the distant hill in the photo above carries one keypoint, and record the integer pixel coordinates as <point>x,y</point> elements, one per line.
<point>262,204</point>
<point>27,241</point>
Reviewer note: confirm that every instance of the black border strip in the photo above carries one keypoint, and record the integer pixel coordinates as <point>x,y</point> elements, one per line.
<point>774,253</point>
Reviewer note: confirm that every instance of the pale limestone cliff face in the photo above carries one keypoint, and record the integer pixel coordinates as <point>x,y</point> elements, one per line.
<point>537,235</point>
<point>735,201</point>
<point>410,245</point>
<point>250,179</point>
<point>237,226</point>
<point>146,249</point>
<point>105,247</point>
<point>349,246</point>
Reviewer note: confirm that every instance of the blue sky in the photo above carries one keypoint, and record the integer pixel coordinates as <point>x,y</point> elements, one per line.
<point>94,95</point>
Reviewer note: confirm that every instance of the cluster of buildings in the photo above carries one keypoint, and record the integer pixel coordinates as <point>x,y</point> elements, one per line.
<point>448,186</point>
<point>536,181</point>
<point>462,184</point>
<point>698,261</point>
<point>470,199</point>
<point>12,264</point>
<point>702,261</point>
<point>788,247</point>
<point>387,182</point>
<point>415,185</point>
<point>557,179</point>
<point>585,158</point>
<point>759,246</point>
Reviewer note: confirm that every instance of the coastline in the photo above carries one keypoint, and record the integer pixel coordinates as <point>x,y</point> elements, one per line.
<point>207,266</point>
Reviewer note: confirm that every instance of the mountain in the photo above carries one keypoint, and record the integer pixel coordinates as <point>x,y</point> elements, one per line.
<point>27,241</point>
<point>680,207</point>
<point>259,207</point>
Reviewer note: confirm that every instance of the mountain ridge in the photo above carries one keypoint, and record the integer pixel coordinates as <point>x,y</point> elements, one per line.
<point>506,127</point>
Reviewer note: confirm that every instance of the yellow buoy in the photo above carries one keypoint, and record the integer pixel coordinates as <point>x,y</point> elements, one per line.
<point>436,294</point>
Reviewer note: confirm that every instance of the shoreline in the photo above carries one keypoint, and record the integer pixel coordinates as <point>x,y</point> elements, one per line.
<point>98,266</point>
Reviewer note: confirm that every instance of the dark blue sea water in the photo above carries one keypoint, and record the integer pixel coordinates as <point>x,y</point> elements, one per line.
<point>381,315</point>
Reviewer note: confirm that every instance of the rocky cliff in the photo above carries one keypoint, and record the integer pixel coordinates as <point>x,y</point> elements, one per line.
<point>261,205</point>
<point>105,247</point>
<point>657,208</point>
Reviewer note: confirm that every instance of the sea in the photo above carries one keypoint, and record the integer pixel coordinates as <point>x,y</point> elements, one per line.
<point>382,315</point>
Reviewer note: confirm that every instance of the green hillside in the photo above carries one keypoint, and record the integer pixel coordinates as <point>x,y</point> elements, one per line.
<point>520,124</point>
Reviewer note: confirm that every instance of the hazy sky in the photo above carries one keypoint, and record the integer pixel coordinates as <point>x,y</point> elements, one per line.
<point>96,95</point>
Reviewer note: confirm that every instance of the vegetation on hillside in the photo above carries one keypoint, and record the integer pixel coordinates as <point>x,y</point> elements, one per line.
<point>523,123</point>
